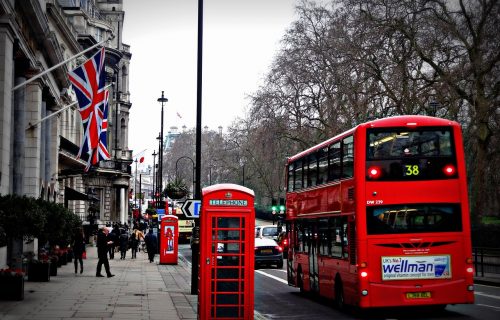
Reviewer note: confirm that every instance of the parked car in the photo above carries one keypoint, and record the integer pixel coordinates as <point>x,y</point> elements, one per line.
<point>268,252</point>
<point>267,231</point>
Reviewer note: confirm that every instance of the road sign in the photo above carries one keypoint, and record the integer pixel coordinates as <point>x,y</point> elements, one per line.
<point>191,208</point>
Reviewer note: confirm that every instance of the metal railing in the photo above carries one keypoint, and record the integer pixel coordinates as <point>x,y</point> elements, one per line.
<point>486,260</point>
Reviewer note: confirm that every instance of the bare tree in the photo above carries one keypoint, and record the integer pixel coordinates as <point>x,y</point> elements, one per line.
<point>458,45</point>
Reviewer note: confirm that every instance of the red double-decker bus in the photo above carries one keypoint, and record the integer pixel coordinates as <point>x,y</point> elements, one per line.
<point>378,216</point>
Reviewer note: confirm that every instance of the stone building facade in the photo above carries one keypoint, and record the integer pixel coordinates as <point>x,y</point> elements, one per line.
<point>40,125</point>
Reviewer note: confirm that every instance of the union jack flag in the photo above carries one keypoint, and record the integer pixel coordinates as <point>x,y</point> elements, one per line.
<point>88,82</point>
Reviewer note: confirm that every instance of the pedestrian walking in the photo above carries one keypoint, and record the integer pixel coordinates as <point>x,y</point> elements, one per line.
<point>151,244</point>
<point>103,243</point>
<point>135,239</point>
<point>123,244</point>
<point>78,248</point>
<point>114,236</point>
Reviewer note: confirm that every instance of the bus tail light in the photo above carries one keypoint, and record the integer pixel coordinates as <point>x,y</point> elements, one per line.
<point>449,170</point>
<point>470,268</point>
<point>374,172</point>
<point>363,273</point>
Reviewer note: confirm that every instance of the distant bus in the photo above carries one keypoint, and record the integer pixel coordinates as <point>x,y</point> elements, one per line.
<point>378,216</point>
<point>185,224</point>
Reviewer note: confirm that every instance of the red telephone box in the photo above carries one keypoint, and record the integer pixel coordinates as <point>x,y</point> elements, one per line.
<point>226,273</point>
<point>169,235</point>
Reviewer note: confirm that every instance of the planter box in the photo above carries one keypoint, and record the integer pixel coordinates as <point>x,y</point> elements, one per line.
<point>39,272</point>
<point>11,287</point>
<point>64,258</point>
<point>53,268</point>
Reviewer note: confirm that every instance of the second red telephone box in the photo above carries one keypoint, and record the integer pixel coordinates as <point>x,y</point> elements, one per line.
<point>169,237</point>
<point>226,274</point>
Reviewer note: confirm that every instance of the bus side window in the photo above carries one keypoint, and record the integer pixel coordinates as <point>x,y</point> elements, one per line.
<point>323,237</point>
<point>323,166</point>
<point>347,157</point>
<point>345,241</point>
<point>298,175</point>
<point>334,167</point>
<point>291,180</point>
<point>312,174</point>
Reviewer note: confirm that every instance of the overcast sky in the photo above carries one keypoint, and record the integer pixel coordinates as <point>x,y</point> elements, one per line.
<point>240,39</point>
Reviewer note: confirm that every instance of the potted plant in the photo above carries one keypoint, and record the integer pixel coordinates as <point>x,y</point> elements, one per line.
<point>11,284</point>
<point>176,189</point>
<point>39,270</point>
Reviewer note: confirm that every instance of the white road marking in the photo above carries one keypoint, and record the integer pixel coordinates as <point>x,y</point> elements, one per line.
<point>271,276</point>
<point>485,305</point>
<point>486,295</point>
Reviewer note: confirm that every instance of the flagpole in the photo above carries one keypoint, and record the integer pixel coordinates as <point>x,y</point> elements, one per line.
<point>31,125</point>
<point>60,64</point>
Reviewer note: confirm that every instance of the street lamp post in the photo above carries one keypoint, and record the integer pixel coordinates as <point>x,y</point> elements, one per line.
<point>135,185</point>
<point>162,100</point>
<point>186,157</point>
<point>157,193</point>
<point>154,177</point>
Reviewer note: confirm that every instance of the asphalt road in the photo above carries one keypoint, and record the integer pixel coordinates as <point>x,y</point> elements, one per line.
<point>274,299</point>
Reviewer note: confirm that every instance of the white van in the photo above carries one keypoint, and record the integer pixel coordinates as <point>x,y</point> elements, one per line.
<point>267,231</point>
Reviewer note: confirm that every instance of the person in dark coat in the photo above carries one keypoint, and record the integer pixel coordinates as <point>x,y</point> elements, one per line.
<point>151,244</point>
<point>103,242</point>
<point>78,249</point>
<point>123,244</point>
<point>114,236</point>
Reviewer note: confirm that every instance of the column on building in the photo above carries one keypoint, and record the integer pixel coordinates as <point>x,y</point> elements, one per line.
<point>43,129</point>
<point>18,137</point>
<point>123,205</point>
<point>6,72</point>
<point>33,148</point>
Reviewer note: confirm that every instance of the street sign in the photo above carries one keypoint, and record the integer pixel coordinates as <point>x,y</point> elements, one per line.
<point>191,208</point>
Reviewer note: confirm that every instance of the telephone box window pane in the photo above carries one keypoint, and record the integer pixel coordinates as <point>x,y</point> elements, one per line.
<point>227,273</point>
<point>228,223</point>
<point>228,261</point>
<point>226,312</point>
<point>228,235</point>
<point>227,298</point>
<point>227,286</point>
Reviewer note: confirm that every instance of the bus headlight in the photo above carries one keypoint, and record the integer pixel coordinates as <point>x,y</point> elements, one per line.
<point>470,287</point>
<point>364,292</point>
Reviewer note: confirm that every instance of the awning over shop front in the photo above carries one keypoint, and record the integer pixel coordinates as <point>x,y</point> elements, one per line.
<point>72,194</point>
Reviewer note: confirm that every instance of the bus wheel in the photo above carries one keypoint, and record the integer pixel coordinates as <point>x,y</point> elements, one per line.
<point>339,295</point>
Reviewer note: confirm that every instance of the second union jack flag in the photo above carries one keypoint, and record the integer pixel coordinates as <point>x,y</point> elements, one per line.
<point>88,82</point>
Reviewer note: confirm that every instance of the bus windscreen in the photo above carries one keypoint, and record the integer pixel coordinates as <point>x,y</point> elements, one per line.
<point>418,218</point>
<point>399,154</point>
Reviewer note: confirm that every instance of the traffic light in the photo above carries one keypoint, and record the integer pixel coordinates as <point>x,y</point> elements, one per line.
<point>273,206</point>
<point>282,205</point>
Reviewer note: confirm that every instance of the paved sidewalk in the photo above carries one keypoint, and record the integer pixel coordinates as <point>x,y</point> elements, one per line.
<point>139,290</point>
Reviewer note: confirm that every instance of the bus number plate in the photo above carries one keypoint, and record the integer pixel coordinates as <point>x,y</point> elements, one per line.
<point>418,295</point>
